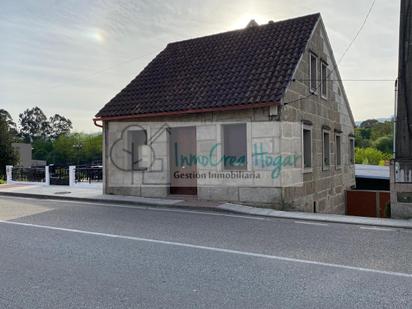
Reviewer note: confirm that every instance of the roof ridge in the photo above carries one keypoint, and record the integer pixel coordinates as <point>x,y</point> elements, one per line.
<point>269,23</point>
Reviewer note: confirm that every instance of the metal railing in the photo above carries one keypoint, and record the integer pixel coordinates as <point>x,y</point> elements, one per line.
<point>403,171</point>
<point>59,175</point>
<point>89,174</point>
<point>33,174</point>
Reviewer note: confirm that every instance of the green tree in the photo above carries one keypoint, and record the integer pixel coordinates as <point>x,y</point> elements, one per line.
<point>63,151</point>
<point>43,150</point>
<point>362,138</point>
<point>8,155</point>
<point>367,124</point>
<point>5,116</point>
<point>33,125</point>
<point>59,125</point>
<point>381,129</point>
<point>384,143</point>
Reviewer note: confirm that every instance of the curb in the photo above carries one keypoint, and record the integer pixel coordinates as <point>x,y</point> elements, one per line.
<point>138,204</point>
<point>322,218</point>
<point>234,209</point>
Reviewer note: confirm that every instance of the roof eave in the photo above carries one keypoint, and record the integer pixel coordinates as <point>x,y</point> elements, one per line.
<point>183,112</point>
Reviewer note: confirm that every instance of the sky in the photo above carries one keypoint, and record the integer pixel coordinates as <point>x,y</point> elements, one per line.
<point>71,57</point>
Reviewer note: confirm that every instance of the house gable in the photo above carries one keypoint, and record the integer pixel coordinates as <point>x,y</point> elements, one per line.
<point>298,95</point>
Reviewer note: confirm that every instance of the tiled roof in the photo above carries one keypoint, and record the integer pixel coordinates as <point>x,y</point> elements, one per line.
<point>236,68</point>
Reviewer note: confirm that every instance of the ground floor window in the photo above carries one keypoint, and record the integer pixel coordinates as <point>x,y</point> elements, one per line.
<point>326,150</point>
<point>307,147</point>
<point>234,146</point>
<point>351,150</point>
<point>338,151</point>
<point>137,140</point>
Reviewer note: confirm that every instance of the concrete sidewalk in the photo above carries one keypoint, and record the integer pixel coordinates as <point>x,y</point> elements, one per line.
<point>93,193</point>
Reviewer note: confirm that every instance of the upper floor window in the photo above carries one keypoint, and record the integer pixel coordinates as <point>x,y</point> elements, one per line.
<point>313,71</point>
<point>323,79</point>
<point>234,146</point>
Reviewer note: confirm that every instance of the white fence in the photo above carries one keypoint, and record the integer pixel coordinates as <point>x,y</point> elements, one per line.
<point>45,177</point>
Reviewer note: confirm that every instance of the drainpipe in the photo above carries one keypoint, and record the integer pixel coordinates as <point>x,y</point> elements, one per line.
<point>395,117</point>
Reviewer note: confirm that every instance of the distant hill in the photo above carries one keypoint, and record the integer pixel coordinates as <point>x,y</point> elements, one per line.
<point>382,119</point>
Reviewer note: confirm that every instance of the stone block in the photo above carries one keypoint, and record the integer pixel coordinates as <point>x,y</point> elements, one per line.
<point>259,195</point>
<point>215,193</point>
<point>154,191</point>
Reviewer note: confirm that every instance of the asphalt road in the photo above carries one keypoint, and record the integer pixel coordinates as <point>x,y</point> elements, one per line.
<point>56,254</point>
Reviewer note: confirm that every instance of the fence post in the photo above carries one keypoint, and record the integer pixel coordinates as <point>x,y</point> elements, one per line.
<point>47,175</point>
<point>72,175</point>
<point>9,172</point>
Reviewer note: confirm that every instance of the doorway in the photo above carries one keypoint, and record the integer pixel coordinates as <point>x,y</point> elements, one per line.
<point>183,167</point>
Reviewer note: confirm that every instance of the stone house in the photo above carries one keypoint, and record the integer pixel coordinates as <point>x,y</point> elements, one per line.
<point>257,115</point>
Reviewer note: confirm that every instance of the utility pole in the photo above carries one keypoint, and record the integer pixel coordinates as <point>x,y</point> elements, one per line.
<point>401,166</point>
<point>403,137</point>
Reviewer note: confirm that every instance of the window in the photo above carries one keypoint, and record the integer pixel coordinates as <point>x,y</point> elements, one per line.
<point>234,147</point>
<point>351,150</point>
<point>139,152</point>
<point>307,147</point>
<point>326,150</point>
<point>313,71</point>
<point>338,151</point>
<point>323,79</point>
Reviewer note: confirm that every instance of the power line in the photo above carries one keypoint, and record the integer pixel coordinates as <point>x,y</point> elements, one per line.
<point>343,55</point>
<point>359,31</point>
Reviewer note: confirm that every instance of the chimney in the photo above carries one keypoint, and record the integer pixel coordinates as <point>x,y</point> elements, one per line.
<point>252,24</point>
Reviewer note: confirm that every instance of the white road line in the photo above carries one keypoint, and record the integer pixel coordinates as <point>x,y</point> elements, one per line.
<point>311,223</point>
<point>185,245</point>
<point>140,207</point>
<point>374,228</point>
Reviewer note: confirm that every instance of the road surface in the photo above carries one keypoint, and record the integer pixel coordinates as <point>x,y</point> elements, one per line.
<point>56,254</point>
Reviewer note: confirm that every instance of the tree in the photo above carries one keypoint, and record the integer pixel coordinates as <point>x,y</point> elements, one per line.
<point>367,124</point>
<point>59,125</point>
<point>8,155</point>
<point>362,137</point>
<point>63,151</point>
<point>5,116</point>
<point>33,125</point>
<point>384,144</point>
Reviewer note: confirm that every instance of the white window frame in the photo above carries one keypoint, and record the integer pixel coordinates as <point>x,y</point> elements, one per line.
<point>325,167</point>
<point>308,128</point>
<point>322,86</point>
<point>351,157</point>
<point>338,166</point>
<point>313,90</point>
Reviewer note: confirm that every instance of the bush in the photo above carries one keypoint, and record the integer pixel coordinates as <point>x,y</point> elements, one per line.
<point>384,144</point>
<point>371,156</point>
